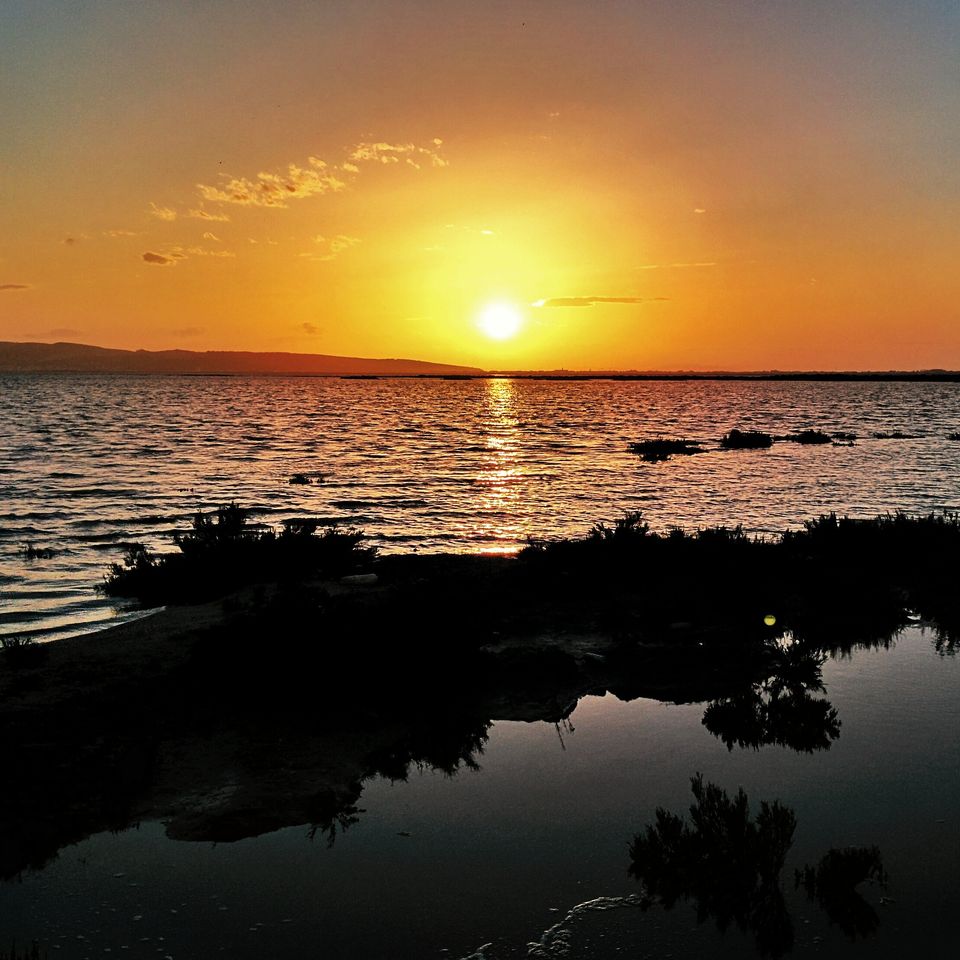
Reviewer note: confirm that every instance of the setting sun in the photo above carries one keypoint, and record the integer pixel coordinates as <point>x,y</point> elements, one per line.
<point>500,321</point>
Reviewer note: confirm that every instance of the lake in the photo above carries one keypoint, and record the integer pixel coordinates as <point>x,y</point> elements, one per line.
<point>508,834</point>
<point>89,464</point>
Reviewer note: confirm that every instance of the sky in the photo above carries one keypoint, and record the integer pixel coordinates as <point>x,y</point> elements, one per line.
<point>608,185</point>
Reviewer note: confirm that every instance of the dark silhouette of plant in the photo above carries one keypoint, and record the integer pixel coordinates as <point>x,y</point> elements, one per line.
<point>224,551</point>
<point>662,448</point>
<point>728,863</point>
<point>810,437</point>
<point>833,882</point>
<point>32,552</point>
<point>746,440</point>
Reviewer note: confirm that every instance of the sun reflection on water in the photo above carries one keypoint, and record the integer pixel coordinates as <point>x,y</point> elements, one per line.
<point>500,482</point>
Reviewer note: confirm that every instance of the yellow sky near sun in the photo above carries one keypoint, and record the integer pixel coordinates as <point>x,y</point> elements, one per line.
<point>677,187</point>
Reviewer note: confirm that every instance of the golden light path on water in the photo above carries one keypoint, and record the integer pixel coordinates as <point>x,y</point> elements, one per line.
<point>501,477</point>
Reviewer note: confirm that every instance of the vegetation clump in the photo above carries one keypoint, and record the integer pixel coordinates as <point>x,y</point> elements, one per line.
<point>844,437</point>
<point>894,435</point>
<point>299,480</point>
<point>33,552</point>
<point>746,440</point>
<point>18,651</point>
<point>662,448</point>
<point>224,552</point>
<point>953,436</point>
<point>809,437</point>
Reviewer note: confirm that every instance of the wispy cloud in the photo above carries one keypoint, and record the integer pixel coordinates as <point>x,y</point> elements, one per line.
<point>590,301</point>
<point>158,259</point>
<point>162,213</point>
<point>276,189</point>
<point>311,328</point>
<point>117,234</point>
<point>14,286</point>
<point>211,236</point>
<point>187,331</point>
<point>408,153</point>
<point>172,254</point>
<point>73,241</point>
<point>207,215</point>
<point>331,247</point>
<point>671,266</point>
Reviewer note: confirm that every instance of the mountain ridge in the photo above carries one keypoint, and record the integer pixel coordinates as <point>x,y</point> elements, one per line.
<point>68,357</point>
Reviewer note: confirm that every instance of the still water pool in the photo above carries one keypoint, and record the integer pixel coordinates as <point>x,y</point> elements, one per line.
<point>490,860</point>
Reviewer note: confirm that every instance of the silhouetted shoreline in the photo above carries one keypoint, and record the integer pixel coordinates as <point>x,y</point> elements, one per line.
<point>356,678</point>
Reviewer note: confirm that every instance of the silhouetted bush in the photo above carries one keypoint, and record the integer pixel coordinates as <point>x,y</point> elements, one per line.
<point>662,448</point>
<point>224,552</point>
<point>809,437</point>
<point>894,435</point>
<point>30,953</point>
<point>32,552</point>
<point>746,440</point>
<point>20,651</point>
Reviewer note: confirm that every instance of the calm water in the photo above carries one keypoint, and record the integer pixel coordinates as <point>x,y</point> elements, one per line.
<point>89,464</point>
<point>438,866</point>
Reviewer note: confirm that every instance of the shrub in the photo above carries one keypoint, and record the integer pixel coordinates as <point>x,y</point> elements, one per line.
<point>224,552</point>
<point>809,437</point>
<point>746,440</point>
<point>662,448</point>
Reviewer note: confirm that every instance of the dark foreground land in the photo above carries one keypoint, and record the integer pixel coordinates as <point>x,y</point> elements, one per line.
<point>290,666</point>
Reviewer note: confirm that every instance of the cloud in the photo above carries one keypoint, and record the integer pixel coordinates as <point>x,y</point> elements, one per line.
<point>311,328</point>
<point>116,234</point>
<point>331,247</point>
<point>187,331</point>
<point>162,213</point>
<point>206,215</point>
<point>275,189</point>
<point>315,178</point>
<point>72,241</point>
<point>408,153</point>
<point>670,266</point>
<point>590,301</point>
<point>699,210</point>
<point>14,286</point>
<point>211,236</point>
<point>158,258</point>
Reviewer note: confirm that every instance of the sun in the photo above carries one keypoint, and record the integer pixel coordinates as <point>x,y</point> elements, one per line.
<point>500,321</point>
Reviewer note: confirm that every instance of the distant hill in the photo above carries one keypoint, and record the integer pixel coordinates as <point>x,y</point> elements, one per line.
<point>81,358</point>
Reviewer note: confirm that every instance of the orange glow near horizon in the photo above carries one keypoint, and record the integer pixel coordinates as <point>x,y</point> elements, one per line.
<point>643,199</point>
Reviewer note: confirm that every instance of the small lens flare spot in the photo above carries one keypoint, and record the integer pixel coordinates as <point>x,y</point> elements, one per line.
<point>769,619</point>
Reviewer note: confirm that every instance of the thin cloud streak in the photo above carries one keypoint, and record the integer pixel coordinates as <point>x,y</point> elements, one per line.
<point>14,286</point>
<point>590,301</point>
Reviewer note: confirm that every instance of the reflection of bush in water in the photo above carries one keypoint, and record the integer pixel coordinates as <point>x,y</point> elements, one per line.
<point>832,884</point>
<point>729,864</point>
<point>780,710</point>
<point>724,860</point>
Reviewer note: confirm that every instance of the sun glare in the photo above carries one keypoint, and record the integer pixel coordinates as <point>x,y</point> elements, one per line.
<point>500,321</point>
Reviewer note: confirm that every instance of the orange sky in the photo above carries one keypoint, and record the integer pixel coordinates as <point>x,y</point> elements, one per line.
<point>760,184</point>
